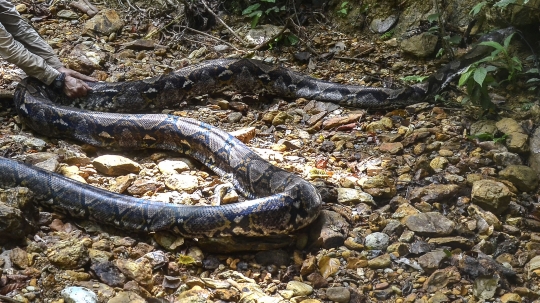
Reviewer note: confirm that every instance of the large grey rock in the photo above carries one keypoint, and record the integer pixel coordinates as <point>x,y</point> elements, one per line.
<point>421,45</point>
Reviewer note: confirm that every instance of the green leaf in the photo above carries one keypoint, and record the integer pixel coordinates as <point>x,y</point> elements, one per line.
<point>293,40</point>
<point>490,68</point>
<point>465,76</point>
<point>532,71</point>
<point>255,19</point>
<point>440,53</point>
<point>272,9</point>
<point>250,9</point>
<point>504,3</point>
<point>477,8</point>
<point>533,80</point>
<point>414,78</point>
<point>268,1</point>
<point>493,44</point>
<point>479,75</point>
<point>433,17</point>
<point>501,139</point>
<point>344,4</point>
<point>482,137</point>
<point>255,13</point>
<point>506,42</point>
<point>456,39</point>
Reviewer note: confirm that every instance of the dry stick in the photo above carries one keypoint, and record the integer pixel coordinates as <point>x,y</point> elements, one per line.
<point>188,28</point>
<point>150,34</point>
<point>209,36</point>
<point>297,33</point>
<point>268,41</point>
<point>224,24</point>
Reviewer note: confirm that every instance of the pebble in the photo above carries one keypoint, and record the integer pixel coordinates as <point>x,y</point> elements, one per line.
<point>108,273</point>
<point>350,196</point>
<point>338,294</point>
<point>115,165</point>
<point>171,167</point>
<point>74,294</point>
<point>299,288</point>
<point>430,224</point>
<point>383,261</point>
<point>491,195</point>
<point>181,182</point>
<point>377,241</point>
<point>523,177</point>
<point>127,297</point>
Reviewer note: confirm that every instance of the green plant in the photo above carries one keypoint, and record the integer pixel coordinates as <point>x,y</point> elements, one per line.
<point>387,35</point>
<point>343,9</point>
<point>414,78</point>
<point>256,11</point>
<point>448,40</point>
<point>500,4</point>
<point>488,137</point>
<point>479,75</point>
<point>286,38</point>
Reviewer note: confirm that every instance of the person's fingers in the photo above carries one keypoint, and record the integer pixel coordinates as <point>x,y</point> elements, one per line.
<point>76,74</point>
<point>86,86</point>
<point>75,88</point>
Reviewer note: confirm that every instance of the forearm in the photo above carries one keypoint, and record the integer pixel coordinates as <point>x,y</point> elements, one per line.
<point>32,64</point>
<point>21,45</point>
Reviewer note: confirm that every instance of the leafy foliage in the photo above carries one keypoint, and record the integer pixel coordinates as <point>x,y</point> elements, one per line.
<point>256,10</point>
<point>500,4</point>
<point>414,78</point>
<point>488,137</point>
<point>479,75</point>
<point>387,35</point>
<point>343,9</point>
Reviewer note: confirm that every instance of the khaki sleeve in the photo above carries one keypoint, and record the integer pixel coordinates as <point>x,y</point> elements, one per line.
<point>21,45</point>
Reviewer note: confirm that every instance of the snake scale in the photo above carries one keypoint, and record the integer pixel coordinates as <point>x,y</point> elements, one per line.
<point>279,201</point>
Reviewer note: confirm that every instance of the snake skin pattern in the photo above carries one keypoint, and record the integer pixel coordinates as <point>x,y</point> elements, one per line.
<point>281,202</point>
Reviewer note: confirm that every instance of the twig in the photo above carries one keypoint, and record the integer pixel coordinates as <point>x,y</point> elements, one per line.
<point>150,34</point>
<point>224,24</point>
<point>134,8</point>
<point>298,35</point>
<point>267,41</point>
<point>209,36</point>
<point>356,59</point>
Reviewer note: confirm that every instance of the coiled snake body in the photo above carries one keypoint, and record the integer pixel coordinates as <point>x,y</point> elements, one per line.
<point>281,202</point>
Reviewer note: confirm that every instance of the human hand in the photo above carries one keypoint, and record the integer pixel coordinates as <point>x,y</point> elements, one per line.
<point>74,86</point>
<point>75,74</point>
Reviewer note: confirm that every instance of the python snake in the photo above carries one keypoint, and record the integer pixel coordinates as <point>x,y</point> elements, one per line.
<point>280,201</point>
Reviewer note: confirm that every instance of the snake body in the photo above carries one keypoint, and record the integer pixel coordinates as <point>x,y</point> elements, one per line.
<point>280,201</point>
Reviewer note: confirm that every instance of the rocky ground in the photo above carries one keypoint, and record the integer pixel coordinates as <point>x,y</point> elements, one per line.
<point>420,204</point>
